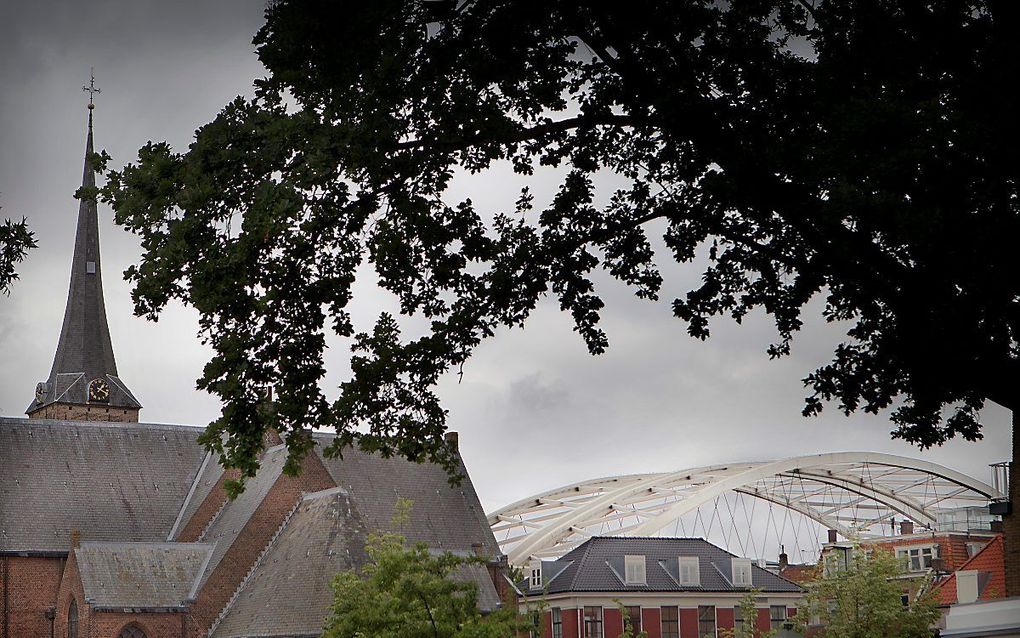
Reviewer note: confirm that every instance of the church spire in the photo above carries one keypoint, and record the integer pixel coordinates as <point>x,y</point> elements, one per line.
<point>83,382</point>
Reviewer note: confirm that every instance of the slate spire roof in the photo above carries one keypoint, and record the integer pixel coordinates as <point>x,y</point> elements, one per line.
<point>85,351</point>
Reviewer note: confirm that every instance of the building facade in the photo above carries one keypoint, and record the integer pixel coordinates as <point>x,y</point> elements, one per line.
<point>667,587</point>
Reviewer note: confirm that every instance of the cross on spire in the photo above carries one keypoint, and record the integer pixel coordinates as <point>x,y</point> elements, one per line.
<point>91,88</point>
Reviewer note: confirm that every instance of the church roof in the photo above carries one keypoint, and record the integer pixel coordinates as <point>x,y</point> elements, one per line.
<point>140,575</point>
<point>443,516</point>
<point>110,481</point>
<point>289,593</point>
<point>85,350</point>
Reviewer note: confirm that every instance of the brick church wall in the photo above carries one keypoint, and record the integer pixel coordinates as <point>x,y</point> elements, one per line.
<point>254,537</point>
<point>215,500</point>
<point>69,412</point>
<point>28,589</point>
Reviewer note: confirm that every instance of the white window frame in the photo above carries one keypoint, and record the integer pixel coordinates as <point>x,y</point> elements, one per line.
<point>634,572</point>
<point>740,567</point>
<point>694,565</point>
<point>535,577</point>
<point>925,555</point>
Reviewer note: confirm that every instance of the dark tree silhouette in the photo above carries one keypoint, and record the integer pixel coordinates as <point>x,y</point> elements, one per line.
<point>861,152</point>
<point>15,241</point>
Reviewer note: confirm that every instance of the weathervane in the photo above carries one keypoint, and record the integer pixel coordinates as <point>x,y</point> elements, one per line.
<point>90,88</point>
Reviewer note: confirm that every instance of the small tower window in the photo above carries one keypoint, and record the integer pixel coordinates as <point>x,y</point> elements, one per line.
<point>634,570</point>
<point>90,267</point>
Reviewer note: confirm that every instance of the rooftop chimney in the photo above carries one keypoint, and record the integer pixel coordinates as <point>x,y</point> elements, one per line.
<point>832,536</point>
<point>906,528</point>
<point>784,560</point>
<point>452,440</point>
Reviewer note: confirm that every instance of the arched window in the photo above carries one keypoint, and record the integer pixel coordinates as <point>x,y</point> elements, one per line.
<point>131,631</point>
<point>72,619</point>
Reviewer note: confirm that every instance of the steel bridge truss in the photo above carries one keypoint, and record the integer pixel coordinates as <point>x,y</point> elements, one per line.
<point>855,493</point>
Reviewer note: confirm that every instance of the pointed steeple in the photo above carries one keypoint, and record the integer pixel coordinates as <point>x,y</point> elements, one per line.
<point>83,382</point>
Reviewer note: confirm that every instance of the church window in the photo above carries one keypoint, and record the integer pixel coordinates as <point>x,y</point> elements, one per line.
<point>131,631</point>
<point>72,619</point>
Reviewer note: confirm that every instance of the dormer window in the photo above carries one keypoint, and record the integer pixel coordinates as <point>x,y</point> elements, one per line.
<point>741,572</point>
<point>634,570</point>
<point>690,571</point>
<point>535,578</point>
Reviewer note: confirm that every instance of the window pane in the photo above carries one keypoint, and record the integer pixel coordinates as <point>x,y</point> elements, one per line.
<point>670,622</point>
<point>777,616</point>
<point>593,622</point>
<point>706,621</point>
<point>557,623</point>
<point>634,614</point>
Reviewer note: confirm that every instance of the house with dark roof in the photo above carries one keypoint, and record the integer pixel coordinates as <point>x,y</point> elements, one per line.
<point>667,587</point>
<point>112,528</point>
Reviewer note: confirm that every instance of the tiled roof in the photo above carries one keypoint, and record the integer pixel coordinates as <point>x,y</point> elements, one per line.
<point>288,593</point>
<point>229,522</point>
<point>989,563</point>
<point>140,575</point>
<point>111,481</point>
<point>444,516</point>
<point>205,481</point>
<point>597,566</point>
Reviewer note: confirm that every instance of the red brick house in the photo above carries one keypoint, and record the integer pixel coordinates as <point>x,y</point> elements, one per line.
<point>669,587</point>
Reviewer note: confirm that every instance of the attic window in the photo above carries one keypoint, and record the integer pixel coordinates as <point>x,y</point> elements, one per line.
<point>690,571</point>
<point>741,572</point>
<point>90,267</point>
<point>634,570</point>
<point>535,579</point>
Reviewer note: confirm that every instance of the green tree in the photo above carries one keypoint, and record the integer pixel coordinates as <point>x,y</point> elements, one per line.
<point>410,592</point>
<point>749,614</point>
<point>15,241</point>
<point>863,598</point>
<point>859,152</point>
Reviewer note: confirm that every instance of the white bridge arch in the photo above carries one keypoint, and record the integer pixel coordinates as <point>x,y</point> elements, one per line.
<point>854,493</point>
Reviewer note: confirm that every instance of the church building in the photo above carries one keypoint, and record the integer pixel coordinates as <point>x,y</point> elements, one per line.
<point>114,528</point>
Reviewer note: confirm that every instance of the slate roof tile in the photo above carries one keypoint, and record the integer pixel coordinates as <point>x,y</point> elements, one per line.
<point>140,575</point>
<point>111,481</point>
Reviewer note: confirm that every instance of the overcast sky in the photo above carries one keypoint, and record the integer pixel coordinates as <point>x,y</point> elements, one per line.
<point>534,410</point>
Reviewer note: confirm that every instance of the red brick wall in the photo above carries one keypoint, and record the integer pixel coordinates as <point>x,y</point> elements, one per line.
<point>70,587</point>
<point>31,585</point>
<point>254,537</point>
<point>155,625</point>
<point>73,412</point>
<point>651,621</point>
<point>570,623</point>
<point>764,622</point>
<point>205,512</point>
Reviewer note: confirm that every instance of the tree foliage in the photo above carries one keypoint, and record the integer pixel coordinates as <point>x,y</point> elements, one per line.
<point>863,599</point>
<point>410,592</point>
<point>748,628</point>
<point>15,241</point>
<point>857,152</point>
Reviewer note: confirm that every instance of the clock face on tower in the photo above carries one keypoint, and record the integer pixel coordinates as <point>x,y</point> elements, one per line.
<point>99,390</point>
